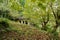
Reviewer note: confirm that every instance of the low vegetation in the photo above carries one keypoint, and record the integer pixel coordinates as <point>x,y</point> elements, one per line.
<point>16,31</point>
<point>29,19</point>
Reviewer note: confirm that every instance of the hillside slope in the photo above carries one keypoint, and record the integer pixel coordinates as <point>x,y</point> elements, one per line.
<point>17,31</point>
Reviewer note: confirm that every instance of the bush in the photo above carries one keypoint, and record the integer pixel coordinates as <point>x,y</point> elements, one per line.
<point>4,25</point>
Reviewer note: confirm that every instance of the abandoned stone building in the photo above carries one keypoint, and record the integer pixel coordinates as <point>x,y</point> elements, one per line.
<point>23,20</point>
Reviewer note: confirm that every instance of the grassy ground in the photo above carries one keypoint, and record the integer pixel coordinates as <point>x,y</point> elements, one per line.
<point>17,31</point>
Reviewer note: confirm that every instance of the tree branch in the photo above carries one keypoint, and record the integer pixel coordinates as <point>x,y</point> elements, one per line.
<point>53,10</point>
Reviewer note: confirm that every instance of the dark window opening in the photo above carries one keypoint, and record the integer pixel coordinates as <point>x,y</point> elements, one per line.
<point>23,22</point>
<point>26,22</point>
<point>20,21</point>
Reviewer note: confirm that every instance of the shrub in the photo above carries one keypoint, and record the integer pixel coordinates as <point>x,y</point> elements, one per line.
<point>4,25</point>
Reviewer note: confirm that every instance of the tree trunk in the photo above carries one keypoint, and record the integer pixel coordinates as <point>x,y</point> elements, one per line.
<point>57,20</point>
<point>45,21</point>
<point>44,26</point>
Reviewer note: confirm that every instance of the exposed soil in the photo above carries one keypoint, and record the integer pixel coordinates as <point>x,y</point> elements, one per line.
<point>12,35</point>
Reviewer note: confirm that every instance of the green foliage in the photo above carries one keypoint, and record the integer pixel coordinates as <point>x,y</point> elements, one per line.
<point>16,6</point>
<point>4,25</point>
<point>33,0</point>
<point>22,2</point>
<point>1,1</point>
<point>39,13</point>
<point>42,6</point>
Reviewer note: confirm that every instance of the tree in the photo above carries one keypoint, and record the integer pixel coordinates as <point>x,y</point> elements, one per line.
<point>56,14</point>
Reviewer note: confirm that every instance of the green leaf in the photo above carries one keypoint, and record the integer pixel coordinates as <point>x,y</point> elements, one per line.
<point>53,0</point>
<point>42,6</point>
<point>33,0</point>
<point>1,1</point>
<point>16,6</point>
<point>43,1</point>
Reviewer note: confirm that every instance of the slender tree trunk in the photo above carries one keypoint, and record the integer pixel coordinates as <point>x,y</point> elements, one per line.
<point>44,26</point>
<point>57,18</point>
<point>45,21</point>
<point>55,14</point>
